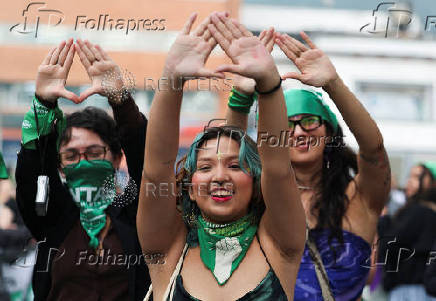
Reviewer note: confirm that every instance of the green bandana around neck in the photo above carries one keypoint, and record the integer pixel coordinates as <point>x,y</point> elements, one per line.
<point>222,247</point>
<point>93,190</point>
<point>3,170</point>
<point>46,118</point>
<point>300,101</point>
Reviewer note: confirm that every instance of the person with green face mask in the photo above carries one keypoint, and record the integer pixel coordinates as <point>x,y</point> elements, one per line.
<point>88,247</point>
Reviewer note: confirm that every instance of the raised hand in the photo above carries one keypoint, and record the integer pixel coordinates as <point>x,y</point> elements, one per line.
<point>245,84</point>
<point>189,53</point>
<point>249,56</point>
<point>98,65</point>
<point>53,72</point>
<point>315,66</point>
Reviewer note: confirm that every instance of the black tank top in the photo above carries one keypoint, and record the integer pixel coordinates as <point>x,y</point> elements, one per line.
<point>269,289</point>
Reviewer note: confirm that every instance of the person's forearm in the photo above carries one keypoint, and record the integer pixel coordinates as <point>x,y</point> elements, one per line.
<point>359,121</point>
<point>237,119</point>
<point>163,132</point>
<point>126,113</point>
<point>272,122</point>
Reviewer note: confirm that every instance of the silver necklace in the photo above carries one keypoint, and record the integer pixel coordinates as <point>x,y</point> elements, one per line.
<point>304,187</point>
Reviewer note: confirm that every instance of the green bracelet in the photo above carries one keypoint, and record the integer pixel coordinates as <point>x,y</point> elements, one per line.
<point>240,102</point>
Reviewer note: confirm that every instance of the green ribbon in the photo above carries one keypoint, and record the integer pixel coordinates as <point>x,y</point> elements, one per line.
<point>92,186</point>
<point>3,170</point>
<point>46,118</point>
<point>299,101</point>
<point>222,247</point>
<point>240,102</point>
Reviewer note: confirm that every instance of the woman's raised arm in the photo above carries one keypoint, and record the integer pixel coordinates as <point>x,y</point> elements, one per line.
<point>158,220</point>
<point>284,218</point>
<point>373,179</point>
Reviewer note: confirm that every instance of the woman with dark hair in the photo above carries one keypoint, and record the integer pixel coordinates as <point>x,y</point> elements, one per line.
<point>239,231</point>
<point>421,178</point>
<point>342,195</point>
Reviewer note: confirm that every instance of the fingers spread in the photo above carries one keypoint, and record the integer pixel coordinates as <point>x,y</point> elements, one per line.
<point>103,53</point>
<point>55,57</point>
<point>221,27</point>
<point>308,40</point>
<point>46,60</point>
<point>86,51</point>
<point>268,39</point>
<point>70,57</point>
<point>224,43</point>
<point>188,25</point>
<point>290,54</point>
<point>242,28</point>
<point>199,31</point>
<point>297,44</point>
<point>94,51</point>
<point>236,33</point>
<point>64,52</point>
<point>85,62</point>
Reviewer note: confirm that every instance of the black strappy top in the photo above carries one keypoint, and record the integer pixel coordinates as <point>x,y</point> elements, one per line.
<point>269,289</point>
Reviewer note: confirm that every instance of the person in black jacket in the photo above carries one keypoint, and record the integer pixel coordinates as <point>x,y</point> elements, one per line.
<point>411,235</point>
<point>87,242</point>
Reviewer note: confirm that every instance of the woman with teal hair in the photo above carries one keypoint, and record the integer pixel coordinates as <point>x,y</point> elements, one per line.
<point>342,194</point>
<point>239,231</point>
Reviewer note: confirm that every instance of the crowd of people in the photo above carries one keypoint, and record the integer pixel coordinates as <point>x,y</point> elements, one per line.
<point>249,221</point>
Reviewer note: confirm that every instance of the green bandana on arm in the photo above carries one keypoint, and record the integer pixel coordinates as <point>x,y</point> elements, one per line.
<point>46,117</point>
<point>92,186</point>
<point>3,170</point>
<point>222,247</point>
<point>240,102</point>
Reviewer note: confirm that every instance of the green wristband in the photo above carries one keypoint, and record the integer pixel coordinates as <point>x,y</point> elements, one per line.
<point>240,102</point>
<point>3,170</point>
<point>46,118</point>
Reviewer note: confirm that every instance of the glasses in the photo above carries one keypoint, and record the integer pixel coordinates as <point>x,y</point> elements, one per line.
<point>307,123</point>
<point>72,156</point>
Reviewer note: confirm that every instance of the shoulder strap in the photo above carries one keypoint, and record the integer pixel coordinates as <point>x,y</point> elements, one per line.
<point>171,285</point>
<point>321,273</point>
